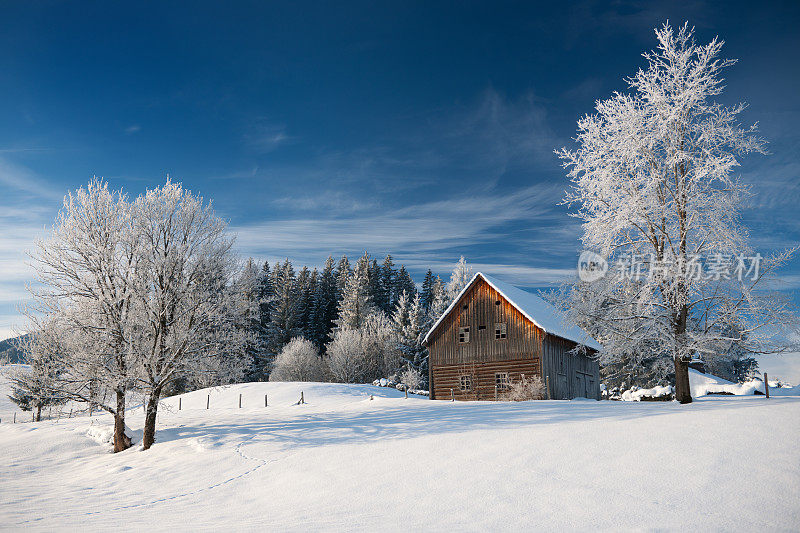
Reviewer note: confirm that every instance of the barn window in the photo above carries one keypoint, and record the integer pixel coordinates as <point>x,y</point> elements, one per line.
<point>501,380</point>
<point>497,302</point>
<point>466,383</point>
<point>463,335</point>
<point>500,330</point>
<point>481,328</point>
<point>465,306</point>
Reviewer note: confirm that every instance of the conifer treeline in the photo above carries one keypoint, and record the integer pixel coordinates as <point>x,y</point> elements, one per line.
<point>311,303</point>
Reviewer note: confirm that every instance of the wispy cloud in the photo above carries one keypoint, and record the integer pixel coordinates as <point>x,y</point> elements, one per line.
<point>265,137</point>
<point>133,128</point>
<point>21,179</point>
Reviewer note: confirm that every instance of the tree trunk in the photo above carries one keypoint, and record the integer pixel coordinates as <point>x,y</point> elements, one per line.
<point>39,413</point>
<point>121,440</point>
<point>683,392</point>
<point>149,434</point>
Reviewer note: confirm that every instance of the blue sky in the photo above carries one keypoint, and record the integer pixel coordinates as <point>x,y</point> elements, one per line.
<point>425,129</point>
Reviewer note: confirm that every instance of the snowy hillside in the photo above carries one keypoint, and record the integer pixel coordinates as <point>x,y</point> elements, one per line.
<point>343,461</point>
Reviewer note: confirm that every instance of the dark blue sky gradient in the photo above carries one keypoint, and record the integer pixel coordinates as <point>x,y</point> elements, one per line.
<point>423,129</point>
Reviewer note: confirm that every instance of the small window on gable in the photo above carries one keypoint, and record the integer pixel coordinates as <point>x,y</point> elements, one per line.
<point>500,330</point>
<point>497,302</point>
<point>463,335</point>
<point>465,306</point>
<point>481,328</point>
<point>466,383</point>
<point>501,380</point>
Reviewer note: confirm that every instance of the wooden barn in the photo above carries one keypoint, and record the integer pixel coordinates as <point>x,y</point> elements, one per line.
<point>493,333</point>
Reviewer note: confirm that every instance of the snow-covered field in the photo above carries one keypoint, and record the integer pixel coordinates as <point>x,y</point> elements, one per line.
<point>345,462</point>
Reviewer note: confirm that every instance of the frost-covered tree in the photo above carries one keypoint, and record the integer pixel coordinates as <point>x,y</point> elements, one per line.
<point>185,293</point>
<point>653,178</point>
<point>342,273</point>
<point>87,268</point>
<point>440,299</point>
<point>462,274</point>
<point>41,383</point>
<point>360,355</point>
<point>298,361</point>
<point>409,321</point>
<point>306,287</point>
<point>356,304</point>
<point>411,378</point>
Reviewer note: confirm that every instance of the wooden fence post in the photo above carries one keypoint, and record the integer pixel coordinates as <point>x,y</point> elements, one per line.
<point>179,403</point>
<point>70,413</point>
<point>452,396</point>
<point>15,417</point>
<point>240,400</point>
<point>208,401</point>
<point>302,399</point>
<point>495,393</point>
<point>766,384</point>
<point>265,401</point>
<point>547,380</point>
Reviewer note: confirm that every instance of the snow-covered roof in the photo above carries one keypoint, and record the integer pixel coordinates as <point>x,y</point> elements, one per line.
<point>541,313</point>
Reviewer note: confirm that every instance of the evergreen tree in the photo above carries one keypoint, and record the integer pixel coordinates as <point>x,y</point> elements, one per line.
<point>376,288</point>
<point>388,276</point>
<point>356,305</point>
<point>284,315</point>
<point>427,291</point>
<point>306,287</point>
<point>342,273</point>
<point>405,283</point>
<point>409,321</point>
<point>253,290</point>
<point>325,305</point>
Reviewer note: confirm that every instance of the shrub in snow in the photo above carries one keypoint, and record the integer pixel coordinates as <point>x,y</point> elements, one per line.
<point>524,389</point>
<point>298,361</point>
<point>411,378</point>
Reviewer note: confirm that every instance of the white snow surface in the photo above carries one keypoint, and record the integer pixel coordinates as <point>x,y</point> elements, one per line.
<point>343,462</point>
<point>702,384</point>
<point>538,311</point>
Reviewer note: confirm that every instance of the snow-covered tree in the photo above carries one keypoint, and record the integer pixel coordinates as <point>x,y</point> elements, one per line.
<point>440,299</point>
<point>87,268</point>
<point>462,274</point>
<point>298,361</point>
<point>39,384</point>
<point>409,321</point>
<point>360,355</point>
<point>342,273</point>
<point>186,295</point>
<point>356,304</point>
<point>653,179</point>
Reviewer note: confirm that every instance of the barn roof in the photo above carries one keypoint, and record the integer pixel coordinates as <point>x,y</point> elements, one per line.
<point>541,313</point>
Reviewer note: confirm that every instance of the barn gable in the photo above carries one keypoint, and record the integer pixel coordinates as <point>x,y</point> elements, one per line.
<point>542,314</point>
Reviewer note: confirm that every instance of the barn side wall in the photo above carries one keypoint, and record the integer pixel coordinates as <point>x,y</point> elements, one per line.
<point>569,375</point>
<point>482,377</point>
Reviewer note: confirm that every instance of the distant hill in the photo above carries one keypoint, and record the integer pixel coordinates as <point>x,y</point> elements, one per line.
<point>9,352</point>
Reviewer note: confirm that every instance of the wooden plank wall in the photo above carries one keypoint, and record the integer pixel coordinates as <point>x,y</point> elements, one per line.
<point>446,377</point>
<point>569,375</point>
